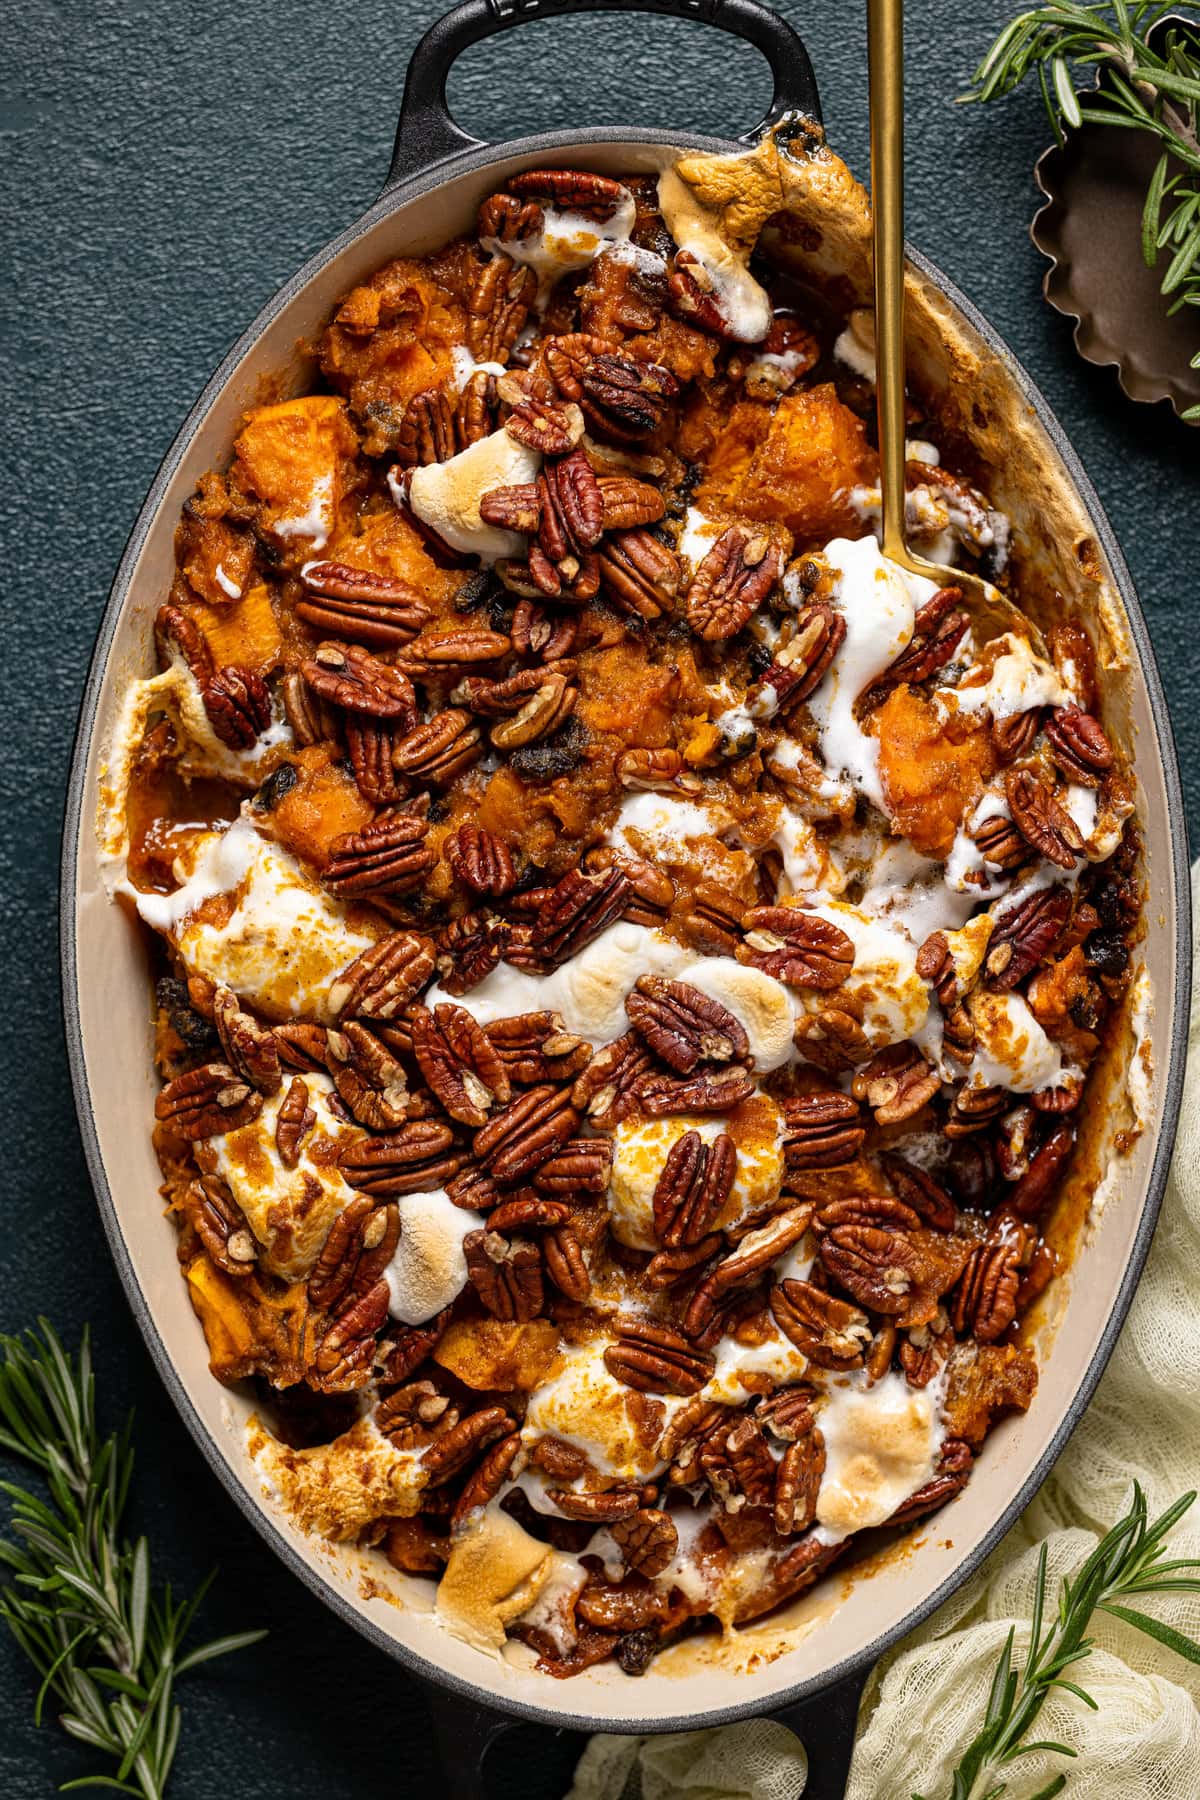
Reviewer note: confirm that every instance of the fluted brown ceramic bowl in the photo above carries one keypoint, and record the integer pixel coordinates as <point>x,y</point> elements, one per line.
<point>437,179</point>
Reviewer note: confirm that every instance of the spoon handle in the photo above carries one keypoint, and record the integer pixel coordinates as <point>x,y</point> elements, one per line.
<point>885,40</point>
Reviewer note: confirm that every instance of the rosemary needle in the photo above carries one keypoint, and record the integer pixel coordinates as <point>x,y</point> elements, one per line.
<point>1129,1560</point>
<point>79,1599</point>
<point>1155,90</point>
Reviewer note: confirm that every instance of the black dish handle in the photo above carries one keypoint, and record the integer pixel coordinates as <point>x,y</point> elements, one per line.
<point>824,1722</point>
<point>427,133</point>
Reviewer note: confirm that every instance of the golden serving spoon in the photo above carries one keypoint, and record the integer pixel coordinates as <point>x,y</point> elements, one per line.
<point>990,610</point>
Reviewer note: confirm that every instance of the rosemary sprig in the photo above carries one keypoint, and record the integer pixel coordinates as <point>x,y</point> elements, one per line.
<point>79,1601</point>
<point>1128,1561</point>
<point>1142,88</point>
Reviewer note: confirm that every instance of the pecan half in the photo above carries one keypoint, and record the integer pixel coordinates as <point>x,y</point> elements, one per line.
<point>974,1109</point>
<point>999,842</point>
<point>647,1539</point>
<point>1079,746</point>
<point>380,982</point>
<point>918,1190</point>
<point>361,1242</point>
<point>480,860</point>
<point>896,1083</point>
<point>506,1273</point>
<point>597,1508</point>
<point>985,1303</point>
<point>900,1274</point>
<point>621,398</point>
<point>468,949</point>
<point>1028,1196</point>
<point>580,1169</point>
<point>177,635</point>
<point>379,610</point>
<point>695,1183</point>
<point>452,653</point>
<point>500,1464</point>
<point>370,1082</point>
<point>518,1140</point>
<point>390,857</point>
<point>571,190</point>
<point>607,1091</point>
<point>639,574</point>
<point>411,1344</point>
<point>1024,935</point>
<point>250,1047</point>
<point>796,947</point>
<point>536,632</point>
<point>683,1026</point>
<point>427,433</point>
<point>712,1090</point>
<point>348,676</point>
<point>577,909</point>
<point>803,663</point>
<point>563,1255</point>
<point>206,1102</point>
<point>537,1047</point>
<point>733,580</point>
<point>1040,819</point>
<point>238,704</point>
<point>830,1332</point>
<point>628,503</point>
<point>657,1360</point>
<point>798,1482</point>
<point>371,744</point>
<point>410,1414</point>
<point>757,1252</point>
<point>1014,736</point>
<point>418,1158</point>
<point>509,220</point>
<point>293,1122</point>
<point>459,1062</point>
<point>938,628</point>
<point>220,1224</point>
<point>954,1469</point>
<point>311,720</point>
<point>832,1040</point>
<point>440,749</point>
<point>501,297</point>
<point>822,1131</point>
<point>541,423</point>
<point>347,1350</point>
<point>302,1045</point>
<point>451,1453</point>
<point>713,920</point>
<point>550,702</point>
<point>739,1464</point>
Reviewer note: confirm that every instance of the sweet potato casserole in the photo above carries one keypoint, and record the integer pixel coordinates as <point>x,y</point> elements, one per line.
<point>630,955</point>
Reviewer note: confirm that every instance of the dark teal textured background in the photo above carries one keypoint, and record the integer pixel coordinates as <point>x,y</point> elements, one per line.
<point>164,168</point>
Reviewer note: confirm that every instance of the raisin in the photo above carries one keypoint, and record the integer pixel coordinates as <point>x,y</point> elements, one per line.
<point>195,1033</point>
<point>553,756</point>
<point>1106,952</point>
<point>279,783</point>
<point>635,1652</point>
<point>477,590</point>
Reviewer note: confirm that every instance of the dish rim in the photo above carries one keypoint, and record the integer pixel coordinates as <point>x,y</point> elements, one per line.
<point>75,823</point>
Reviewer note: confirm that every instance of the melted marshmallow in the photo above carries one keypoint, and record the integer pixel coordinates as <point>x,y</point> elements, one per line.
<point>429,1268</point>
<point>878,601</point>
<point>881,1445</point>
<point>588,992</point>
<point>446,496</point>
<point>285,938</point>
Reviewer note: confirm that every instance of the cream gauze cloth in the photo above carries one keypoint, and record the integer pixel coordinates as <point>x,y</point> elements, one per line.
<point>926,1700</point>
